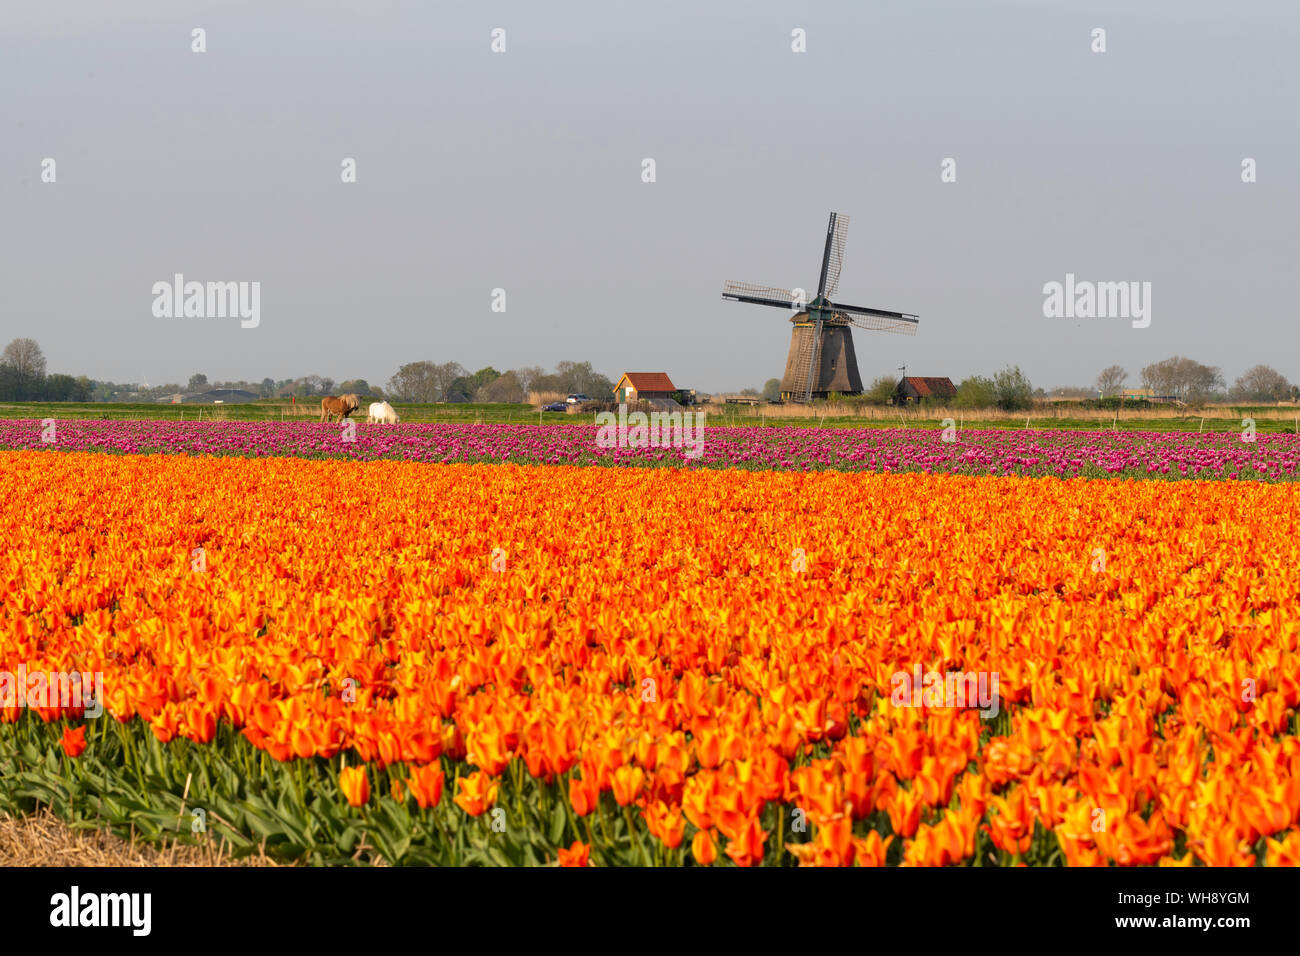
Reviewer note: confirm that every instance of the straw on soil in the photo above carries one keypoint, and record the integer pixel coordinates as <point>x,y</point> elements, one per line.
<point>43,839</point>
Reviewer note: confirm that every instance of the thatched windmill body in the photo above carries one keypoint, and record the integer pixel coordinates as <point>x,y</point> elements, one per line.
<point>821,358</point>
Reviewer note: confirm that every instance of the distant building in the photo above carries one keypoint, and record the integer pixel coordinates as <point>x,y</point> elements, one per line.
<point>1148,394</point>
<point>913,388</point>
<point>641,386</point>
<point>223,396</point>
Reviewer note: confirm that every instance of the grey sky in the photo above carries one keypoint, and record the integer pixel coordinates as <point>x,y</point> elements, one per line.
<point>523,171</point>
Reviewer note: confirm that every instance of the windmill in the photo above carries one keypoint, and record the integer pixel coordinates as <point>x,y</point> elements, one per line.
<point>821,358</point>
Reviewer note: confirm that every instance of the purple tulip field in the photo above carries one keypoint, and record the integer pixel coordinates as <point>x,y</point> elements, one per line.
<point>1102,454</point>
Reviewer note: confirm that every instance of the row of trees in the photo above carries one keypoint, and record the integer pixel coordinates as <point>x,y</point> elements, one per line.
<point>1194,383</point>
<point>1008,389</point>
<point>23,377</point>
<point>451,382</point>
<point>306,386</point>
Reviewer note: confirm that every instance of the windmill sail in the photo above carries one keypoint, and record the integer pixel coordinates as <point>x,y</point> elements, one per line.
<point>880,323</point>
<point>765,295</point>
<point>839,233</point>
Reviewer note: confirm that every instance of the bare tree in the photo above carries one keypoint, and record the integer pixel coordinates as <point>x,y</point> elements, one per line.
<point>527,375</point>
<point>505,388</point>
<point>1110,380</point>
<point>442,377</point>
<point>25,357</point>
<point>413,382</point>
<point>581,377</point>
<point>424,381</point>
<point>1183,379</point>
<point>1262,384</point>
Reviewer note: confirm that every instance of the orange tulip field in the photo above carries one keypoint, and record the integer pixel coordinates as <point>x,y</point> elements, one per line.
<point>500,664</point>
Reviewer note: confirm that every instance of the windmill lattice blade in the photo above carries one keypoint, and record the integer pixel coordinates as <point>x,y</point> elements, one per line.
<point>765,294</point>
<point>836,254</point>
<point>880,323</point>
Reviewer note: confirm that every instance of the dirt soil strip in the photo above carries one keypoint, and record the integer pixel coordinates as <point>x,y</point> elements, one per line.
<point>43,839</point>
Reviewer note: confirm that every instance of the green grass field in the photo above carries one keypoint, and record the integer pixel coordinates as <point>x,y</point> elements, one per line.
<point>1268,420</point>
<point>267,411</point>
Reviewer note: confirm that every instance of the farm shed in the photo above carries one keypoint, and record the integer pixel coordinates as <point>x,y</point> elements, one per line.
<point>913,388</point>
<point>638,386</point>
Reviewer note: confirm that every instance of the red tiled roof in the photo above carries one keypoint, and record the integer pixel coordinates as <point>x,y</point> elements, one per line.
<point>650,381</point>
<point>931,387</point>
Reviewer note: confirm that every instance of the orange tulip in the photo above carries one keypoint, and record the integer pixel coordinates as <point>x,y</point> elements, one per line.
<point>836,840</point>
<point>746,849</point>
<point>1220,848</point>
<point>665,823</point>
<point>478,791</point>
<point>355,785</point>
<point>425,784</point>
<point>1264,811</point>
<point>576,855</point>
<point>74,741</point>
<point>704,848</point>
<point>905,812</point>
<point>584,795</point>
<point>1132,841</point>
<point>627,783</point>
<point>1012,824</point>
<point>166,724</point>
<point>1285,852</point>
<point>871,851</point>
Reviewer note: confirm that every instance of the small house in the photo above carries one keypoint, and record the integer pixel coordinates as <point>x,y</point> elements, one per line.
<point>642,386</point>
<point>913,388</point>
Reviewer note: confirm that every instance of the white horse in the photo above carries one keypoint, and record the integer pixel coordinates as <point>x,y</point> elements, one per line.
<point>382,412</point>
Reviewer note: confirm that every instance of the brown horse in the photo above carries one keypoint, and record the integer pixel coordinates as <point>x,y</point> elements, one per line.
<point>341,405</point>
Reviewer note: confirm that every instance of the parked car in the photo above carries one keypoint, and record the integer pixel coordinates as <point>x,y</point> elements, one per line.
<point>556,407</point>
<point>577,399</point>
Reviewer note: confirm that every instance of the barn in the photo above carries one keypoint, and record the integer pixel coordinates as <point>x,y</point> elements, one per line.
<point>642,386</point>
<point>913,388</point>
